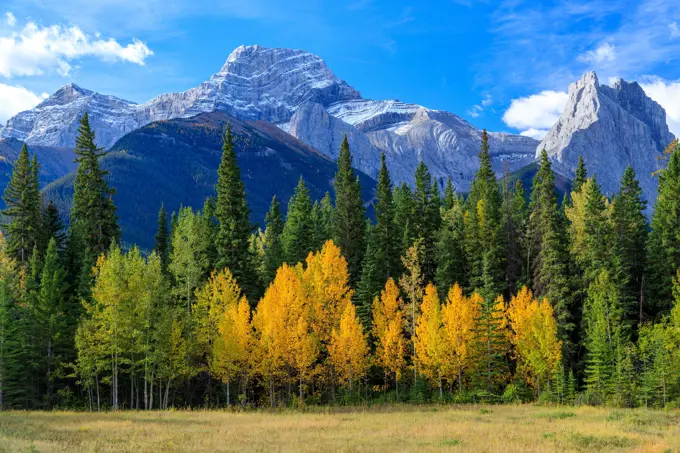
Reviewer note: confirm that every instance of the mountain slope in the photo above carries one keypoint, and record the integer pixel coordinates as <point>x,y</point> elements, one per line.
<point>175,162</point>
<point>611,127</point>
<point>298,92</point>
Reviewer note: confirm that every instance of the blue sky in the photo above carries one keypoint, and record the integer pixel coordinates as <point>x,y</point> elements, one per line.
<point>504,65</point>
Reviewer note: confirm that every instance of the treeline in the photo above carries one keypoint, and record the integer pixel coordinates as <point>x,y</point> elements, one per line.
<point>496,296</point>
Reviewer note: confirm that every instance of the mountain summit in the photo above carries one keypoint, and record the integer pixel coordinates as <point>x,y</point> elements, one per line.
<point>611,127</point>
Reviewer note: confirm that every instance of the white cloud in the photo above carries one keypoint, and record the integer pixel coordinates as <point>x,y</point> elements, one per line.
<point>675,29</point>
<point>535,114</point>
<point>478,109</point>
<point>37,50</point>
<point>605,52</point>
<point>15,99</point>
<point>538,134</point>
<point>10,19</point>
<point>666,93</point>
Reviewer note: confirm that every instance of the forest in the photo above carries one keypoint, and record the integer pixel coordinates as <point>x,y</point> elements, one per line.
<point>495,296</point>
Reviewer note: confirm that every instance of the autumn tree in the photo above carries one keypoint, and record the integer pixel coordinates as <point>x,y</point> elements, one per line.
<point>458,322</point>
<point>388,331</point>
<point>348,349</point>
<point>429,342</point>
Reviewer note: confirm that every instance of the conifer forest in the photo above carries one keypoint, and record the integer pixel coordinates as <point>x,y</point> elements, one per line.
<point>504,294</point>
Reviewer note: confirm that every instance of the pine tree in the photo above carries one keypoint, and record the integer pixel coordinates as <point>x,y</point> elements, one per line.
<point>549,257</point>
<point>93,210</point>
<point>514,218</point>
<point>273,249</point>
<point>348,224</point>
<point>403,218</point>
<point>22,201</point>
<point>490,344</point>
<point>298,232</point>
<point>322,215</point>
<point>630,239</point>
<point>231,212</point>
<point>663,249</point>
<point>162,239</point>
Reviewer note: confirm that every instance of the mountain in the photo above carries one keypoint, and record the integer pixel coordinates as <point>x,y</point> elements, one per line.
<point>175,162</point>
<point>611,127</point>
<point>295,90</point>
<point>54,162</point>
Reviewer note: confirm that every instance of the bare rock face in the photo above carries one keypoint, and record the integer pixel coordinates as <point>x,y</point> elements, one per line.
<point>298,92</point>
<point>611,127</point>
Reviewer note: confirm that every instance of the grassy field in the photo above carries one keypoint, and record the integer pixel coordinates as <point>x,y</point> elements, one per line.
<point>401,428</point>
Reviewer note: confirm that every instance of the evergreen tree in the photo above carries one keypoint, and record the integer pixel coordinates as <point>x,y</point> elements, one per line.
<point>490,344</point>
<point>451,265</point>
<point>93,210</point>
<point>549,258</point>
<point>349,213</point>
<point>53,346</point>
<point>273,248</point>
<point>580,176</point>
<point>663,249</point>
<point>387,249</point>
<point>484,240</point>
<point>297,238</point>
<point>403,218</point>
<point>514,219</point>
<point>162,238</point>
<point>22,201</point>
<point>234,227</point>
<point>426,218</point>
<point>322,215</point>
<point>52,228</point>
<point>630,237</point>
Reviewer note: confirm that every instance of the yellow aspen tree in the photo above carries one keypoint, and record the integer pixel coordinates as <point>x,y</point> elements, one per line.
<point>232,348</point>
<point>458,322</point>
<point>429,345</point>
<point>388,332</point>
<point>213,302</point>
<point>411,282</point>
<point>348,349</point>
<point>534,336</point>
<point>271,327</point>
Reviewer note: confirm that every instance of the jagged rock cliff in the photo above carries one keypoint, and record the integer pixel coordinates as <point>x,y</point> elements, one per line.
<point>611,127</point>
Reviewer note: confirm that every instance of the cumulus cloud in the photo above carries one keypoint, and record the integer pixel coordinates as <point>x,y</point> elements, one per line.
<point>37,50</point>
<point>666,93</point>
<point>15,99</point>
<point>535,114</point>
<point>605,52</point>
<point>10,19</point>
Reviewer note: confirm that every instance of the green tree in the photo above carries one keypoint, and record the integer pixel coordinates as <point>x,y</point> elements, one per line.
<point>426,218</point>
<point>580,176</point>
<point>162,239</point>
<point>52,228</point>
<point>322,217</point>
<point>93,210</point>
<point>663,249</point>
<point>514,219</point>
<point>273,248</point>
<point>22,201</point>
<point>548,252</point>
<point>483,234</point>
<point>403,218</point>
<point>298,232</point>
<point>234,227</point>
<point>630,238</point>
<point>451,265</point>
<point>348,221</point>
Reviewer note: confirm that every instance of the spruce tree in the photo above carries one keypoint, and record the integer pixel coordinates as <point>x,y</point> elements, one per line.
<point>22,201</point>
<point>52,228</point>
<point>297,238</point>
<point>663,249</point>
<point>630,238</point>
<point>162,239</point>
<point>549,257</point>
<point>273,248</point>
<point>231,212</point>
<point>451,264</point>
<point>484,240</point>
<point>580,176</point>
<point>322,217</point>
<point>93,209</point>
<point>426,218</point>
<point>348,224</point>
<point>403,218</point>
<point>514,219</point>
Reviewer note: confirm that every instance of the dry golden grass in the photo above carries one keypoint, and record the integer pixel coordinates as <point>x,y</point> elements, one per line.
<point>389,428</point>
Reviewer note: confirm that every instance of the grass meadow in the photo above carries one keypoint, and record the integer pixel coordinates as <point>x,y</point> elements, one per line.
<point>527,428</point>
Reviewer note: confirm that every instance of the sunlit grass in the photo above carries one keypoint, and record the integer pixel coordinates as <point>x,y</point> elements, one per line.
<point>361,429</point>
